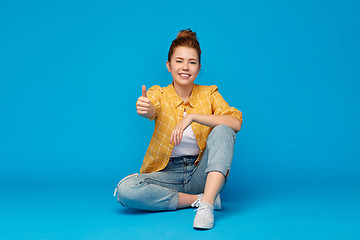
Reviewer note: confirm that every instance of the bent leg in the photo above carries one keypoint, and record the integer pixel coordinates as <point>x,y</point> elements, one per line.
<point>220,147</point>
<point>214,167</point>
<point>146,192</point>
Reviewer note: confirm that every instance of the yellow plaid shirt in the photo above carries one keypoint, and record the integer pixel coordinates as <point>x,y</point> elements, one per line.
<point>169,110</point>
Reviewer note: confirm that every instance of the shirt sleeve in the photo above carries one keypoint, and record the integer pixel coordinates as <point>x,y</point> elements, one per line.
<point>154,94</point>
<point>220,107</point>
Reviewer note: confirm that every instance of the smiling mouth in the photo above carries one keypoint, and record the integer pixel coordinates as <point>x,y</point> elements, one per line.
<point>184,75</point>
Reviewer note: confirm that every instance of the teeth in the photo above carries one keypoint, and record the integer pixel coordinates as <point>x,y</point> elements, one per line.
<point>185,75</point>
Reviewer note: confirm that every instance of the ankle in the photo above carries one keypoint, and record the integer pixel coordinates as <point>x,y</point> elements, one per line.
<point>204,199</point>
<point>185,200</point>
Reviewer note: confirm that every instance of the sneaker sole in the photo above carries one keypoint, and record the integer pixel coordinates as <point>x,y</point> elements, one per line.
<point>203,227</point>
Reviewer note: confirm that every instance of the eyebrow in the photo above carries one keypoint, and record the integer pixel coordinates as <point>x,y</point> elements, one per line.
<point>183,58</point>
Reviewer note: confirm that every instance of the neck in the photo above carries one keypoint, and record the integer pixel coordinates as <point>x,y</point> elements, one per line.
<point>184,92</point>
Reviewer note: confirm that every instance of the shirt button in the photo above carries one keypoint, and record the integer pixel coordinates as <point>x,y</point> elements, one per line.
<point>198,139</point>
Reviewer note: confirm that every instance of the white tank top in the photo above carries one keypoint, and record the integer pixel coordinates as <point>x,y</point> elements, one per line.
<point>188,145</point>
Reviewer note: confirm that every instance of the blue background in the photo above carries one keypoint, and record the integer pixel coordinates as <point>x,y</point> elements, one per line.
<point>70,74</point>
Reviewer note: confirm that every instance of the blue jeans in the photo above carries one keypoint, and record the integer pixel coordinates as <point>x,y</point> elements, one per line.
<point>159,191</point>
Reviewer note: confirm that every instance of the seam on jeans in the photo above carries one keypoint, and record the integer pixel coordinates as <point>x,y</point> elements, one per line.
<point>155,180</point>
<point>187,180</point>
<point>129,176</point>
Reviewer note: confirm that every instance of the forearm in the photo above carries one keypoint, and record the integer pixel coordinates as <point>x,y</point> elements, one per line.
<point>214,120</point>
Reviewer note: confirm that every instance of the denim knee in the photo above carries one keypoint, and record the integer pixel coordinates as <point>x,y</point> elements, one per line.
<point>126,190</point>
<point>222,130</point>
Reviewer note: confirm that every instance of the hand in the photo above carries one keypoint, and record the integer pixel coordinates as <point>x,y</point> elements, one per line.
<point>143,103</point>
<point>178,131</point>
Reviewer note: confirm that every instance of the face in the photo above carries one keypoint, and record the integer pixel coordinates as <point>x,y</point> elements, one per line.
<point>184,66</point>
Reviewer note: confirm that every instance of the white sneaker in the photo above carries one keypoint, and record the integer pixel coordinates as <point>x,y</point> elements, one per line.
<point>204,218</point>
<point>217,202</point>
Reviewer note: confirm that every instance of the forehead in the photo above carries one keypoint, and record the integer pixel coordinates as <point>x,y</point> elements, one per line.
<point>185,53</point>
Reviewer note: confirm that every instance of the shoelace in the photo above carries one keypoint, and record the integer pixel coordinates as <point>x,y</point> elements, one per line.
<point>200,209</point>
<point>196,203</point>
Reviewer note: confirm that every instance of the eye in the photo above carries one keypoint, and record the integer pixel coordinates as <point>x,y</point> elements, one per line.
<point>178,61</point>
<point>193,63</point>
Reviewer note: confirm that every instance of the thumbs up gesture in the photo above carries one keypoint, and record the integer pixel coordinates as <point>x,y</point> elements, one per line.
<point>144,106</point>
<point>144,91</point>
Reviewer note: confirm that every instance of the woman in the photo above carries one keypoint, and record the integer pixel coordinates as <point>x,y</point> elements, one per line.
<point>190,153</point>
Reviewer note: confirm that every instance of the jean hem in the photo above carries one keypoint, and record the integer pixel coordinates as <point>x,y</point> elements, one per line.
<point>221,169</point>
<point>174,200</point>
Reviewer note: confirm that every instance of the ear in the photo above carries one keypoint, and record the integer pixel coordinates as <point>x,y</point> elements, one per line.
<point>168,66</point>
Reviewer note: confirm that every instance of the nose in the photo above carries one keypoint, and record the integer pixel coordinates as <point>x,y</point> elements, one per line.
<point>185,66</point>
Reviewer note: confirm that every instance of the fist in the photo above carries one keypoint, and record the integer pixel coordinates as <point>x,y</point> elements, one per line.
<point>143,104</point>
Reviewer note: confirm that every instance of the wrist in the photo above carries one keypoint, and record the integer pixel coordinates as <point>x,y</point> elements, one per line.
<point>151,110</point>
<point>192,117</point>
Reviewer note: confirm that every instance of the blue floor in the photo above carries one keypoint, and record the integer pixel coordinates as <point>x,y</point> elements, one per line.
<point>254,211</point>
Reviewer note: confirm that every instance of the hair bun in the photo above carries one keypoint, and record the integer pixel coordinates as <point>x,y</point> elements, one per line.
<point>185,38</point>
<point>187,33</point>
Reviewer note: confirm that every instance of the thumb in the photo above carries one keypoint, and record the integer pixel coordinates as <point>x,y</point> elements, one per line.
<point>144,91</point>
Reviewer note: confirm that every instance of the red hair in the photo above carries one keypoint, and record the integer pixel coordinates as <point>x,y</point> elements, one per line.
<point>185,38</point>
